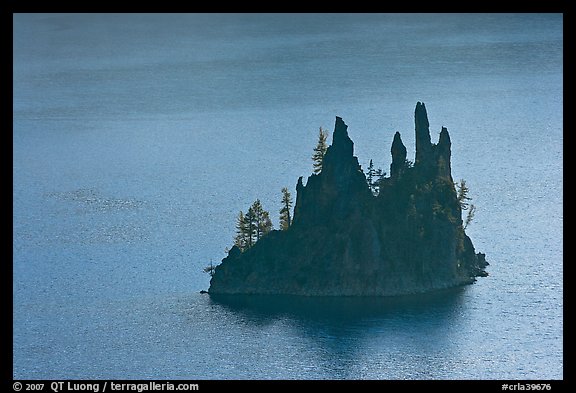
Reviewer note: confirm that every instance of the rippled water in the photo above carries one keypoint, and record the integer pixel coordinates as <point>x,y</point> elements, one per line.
<point>138,138</point>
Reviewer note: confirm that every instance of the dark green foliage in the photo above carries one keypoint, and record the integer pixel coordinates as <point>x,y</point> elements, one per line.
<point>250,227</point>
<point>320,150</point>
<point>469,216</point>
<point>242,239</point>
<point>379,175</point>
<point>210,269</point>
<point>464,201</point>
<point>374,178</point>
<point>260,220</point>
<point>463,197</point>
<point>370,174</point>
<point>285,217</point>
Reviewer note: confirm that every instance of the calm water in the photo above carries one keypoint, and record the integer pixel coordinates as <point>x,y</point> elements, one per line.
<point>138,138</point>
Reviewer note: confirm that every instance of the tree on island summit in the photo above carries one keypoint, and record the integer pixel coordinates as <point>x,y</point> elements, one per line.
<point>370,174</point>
<point>250,227</point>
<point>379,175</point>
<point>374,178</point>
<point>261,220</point>
<point>241,239</point>
<point>320,150</point>
<point>285,219</point>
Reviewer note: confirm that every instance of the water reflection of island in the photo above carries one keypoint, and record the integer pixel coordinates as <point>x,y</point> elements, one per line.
<point>345,335</point>
<point>341,309</point>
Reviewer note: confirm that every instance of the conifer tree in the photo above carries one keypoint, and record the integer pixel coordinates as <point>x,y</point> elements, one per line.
<point>370,175</point>
<point>210,269</point>
<point>463,197</point>
<point>374,177</point>
<point>241,239</point>
<point>320,150</point>
<point>285,218</point>
<point>264,224</point>
<point>464,200</point>
<point>378,177</point>
<point>249,227</point>
<point>469,216</point>
<point>260,220</point>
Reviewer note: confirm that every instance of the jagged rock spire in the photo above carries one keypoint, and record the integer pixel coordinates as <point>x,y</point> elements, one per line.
<point>398,151</point>
<point>339,186</point>
<point>423,143</point>
<point>341,142</point>
<point>443,154</point>
<point>339,157</point>
<point>444,139</point>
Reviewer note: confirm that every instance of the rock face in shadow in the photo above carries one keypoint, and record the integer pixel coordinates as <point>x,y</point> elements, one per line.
<point>346,242</point>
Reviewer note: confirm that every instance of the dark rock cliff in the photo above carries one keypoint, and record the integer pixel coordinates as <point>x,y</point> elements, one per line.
<point>346,242</point>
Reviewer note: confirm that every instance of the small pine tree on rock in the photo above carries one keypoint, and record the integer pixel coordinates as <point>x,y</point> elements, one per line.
<point>320,150</point>
<point>285,218</point>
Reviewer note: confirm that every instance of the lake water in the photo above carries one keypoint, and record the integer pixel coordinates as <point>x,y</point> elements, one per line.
<point>137,139</point>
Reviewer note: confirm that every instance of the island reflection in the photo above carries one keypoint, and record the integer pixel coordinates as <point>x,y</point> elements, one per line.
<point>348,308</point>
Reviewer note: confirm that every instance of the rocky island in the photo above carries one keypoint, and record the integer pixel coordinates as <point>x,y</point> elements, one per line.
<point>346,241</point>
